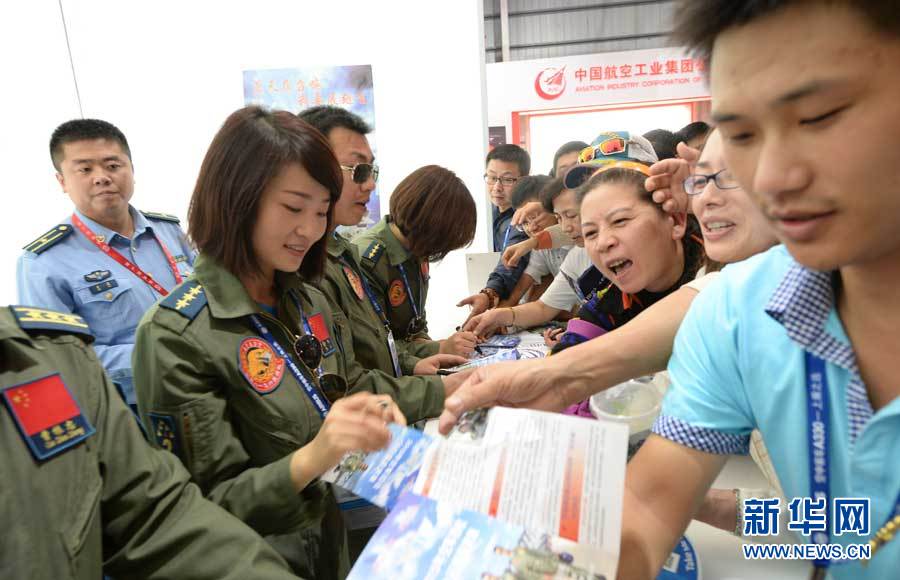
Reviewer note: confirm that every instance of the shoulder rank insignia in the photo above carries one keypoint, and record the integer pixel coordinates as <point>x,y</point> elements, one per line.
<point>187,300</point>
<point>50,239</point>
<point>31,318</point>
<point>374,252</point>
<point>161,216</point>
<point>164,431</point>
<point>48,416</point>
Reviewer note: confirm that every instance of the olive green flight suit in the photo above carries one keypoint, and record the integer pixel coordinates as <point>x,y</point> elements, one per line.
<point>214,392</point>
<point>110,495</point>
<point>365,339</point>
<point>380,255</point>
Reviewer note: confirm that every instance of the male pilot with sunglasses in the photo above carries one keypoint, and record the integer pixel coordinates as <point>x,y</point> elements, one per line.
<point>373,356</point>
<point>107,262</point>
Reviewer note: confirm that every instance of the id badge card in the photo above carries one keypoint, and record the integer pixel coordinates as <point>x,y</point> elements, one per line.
<point>395,360</point>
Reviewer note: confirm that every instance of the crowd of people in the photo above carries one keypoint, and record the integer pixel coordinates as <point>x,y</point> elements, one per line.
<point>173,396</point>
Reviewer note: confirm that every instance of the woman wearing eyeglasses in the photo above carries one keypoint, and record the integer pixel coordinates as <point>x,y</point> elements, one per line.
<point>432,213</point>
<point>237,369</point>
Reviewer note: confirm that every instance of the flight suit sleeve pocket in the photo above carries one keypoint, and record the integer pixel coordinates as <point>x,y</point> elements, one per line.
<point>184,431</point>
<point>85,520</point>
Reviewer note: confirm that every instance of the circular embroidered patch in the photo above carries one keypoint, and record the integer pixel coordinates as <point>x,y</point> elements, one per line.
<point>355,282</point>
<point>259,364</point>
<point>397,293</point>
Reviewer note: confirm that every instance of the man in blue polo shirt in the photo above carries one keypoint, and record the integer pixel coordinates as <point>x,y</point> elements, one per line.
<point>107,262</point>
<point>801,342</point>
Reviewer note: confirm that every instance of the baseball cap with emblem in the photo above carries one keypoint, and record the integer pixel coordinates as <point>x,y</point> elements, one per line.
<point>612,149</point>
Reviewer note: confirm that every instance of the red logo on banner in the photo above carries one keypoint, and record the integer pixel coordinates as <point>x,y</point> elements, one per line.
<point>550,83</point>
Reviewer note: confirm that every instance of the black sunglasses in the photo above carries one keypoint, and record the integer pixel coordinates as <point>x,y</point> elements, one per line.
<point>333,387</point>
<point>309,350</point>
<point>361,172</point>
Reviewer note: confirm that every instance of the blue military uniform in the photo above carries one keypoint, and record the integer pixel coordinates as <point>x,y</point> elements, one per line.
<point>62,270</point>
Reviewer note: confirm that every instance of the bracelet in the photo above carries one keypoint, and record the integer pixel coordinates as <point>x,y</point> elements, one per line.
<point>739,517</point>
<point>513,311</point>
<point>492,296</point>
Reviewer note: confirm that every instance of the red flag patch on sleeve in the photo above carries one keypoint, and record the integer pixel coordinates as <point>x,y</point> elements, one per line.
<point>48,416</point>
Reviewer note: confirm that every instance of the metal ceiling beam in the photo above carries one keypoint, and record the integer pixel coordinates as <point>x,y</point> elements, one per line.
<point>564,9</point>
<point>585,41</point>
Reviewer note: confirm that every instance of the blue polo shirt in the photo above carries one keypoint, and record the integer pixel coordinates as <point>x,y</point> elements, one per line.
<point>73,275</point>
<point>739,363</point>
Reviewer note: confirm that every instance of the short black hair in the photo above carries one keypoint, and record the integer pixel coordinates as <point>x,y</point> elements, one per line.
<point>511,154</point>
<point>664,143</point>
<point>570,147</point>
<point>84,130</point>
<point>527,189</point>
<point>699,22</point>
<point>326,117</point>
<point>692,131</point>
<point>550,192</point>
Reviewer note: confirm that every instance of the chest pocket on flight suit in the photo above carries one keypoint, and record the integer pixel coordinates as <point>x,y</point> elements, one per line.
<point>107,301</point>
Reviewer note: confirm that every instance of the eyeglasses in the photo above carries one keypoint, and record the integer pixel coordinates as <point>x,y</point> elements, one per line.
<point>504,181</point>
<point>361,172</point>
<point>723,179</point>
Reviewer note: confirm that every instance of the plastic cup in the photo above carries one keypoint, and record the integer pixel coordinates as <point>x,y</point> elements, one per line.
<point>635,403</point>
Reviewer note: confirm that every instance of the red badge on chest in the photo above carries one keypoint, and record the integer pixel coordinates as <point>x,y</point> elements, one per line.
<point>259,364</point>
<point>397,293</point>
<point>48,416</point>
<point>354,281</point>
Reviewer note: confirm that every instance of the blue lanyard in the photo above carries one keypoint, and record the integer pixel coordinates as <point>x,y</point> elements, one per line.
<point>817,436</point>
<point>409,290</point>
<point>318,401</point>
<point>506,236</point>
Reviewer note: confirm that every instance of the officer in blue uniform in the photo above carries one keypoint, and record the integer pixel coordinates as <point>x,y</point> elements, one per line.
<point>107,262</point>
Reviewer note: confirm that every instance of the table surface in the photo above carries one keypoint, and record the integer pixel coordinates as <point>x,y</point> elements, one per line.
<point>720,553</point>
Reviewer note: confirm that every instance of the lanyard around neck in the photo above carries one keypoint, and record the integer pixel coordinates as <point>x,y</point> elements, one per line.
<point>130,266</point>
<point>817,439</point>
<point>506,236</point>
<point>319,402</point>
<point>409,294</point>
